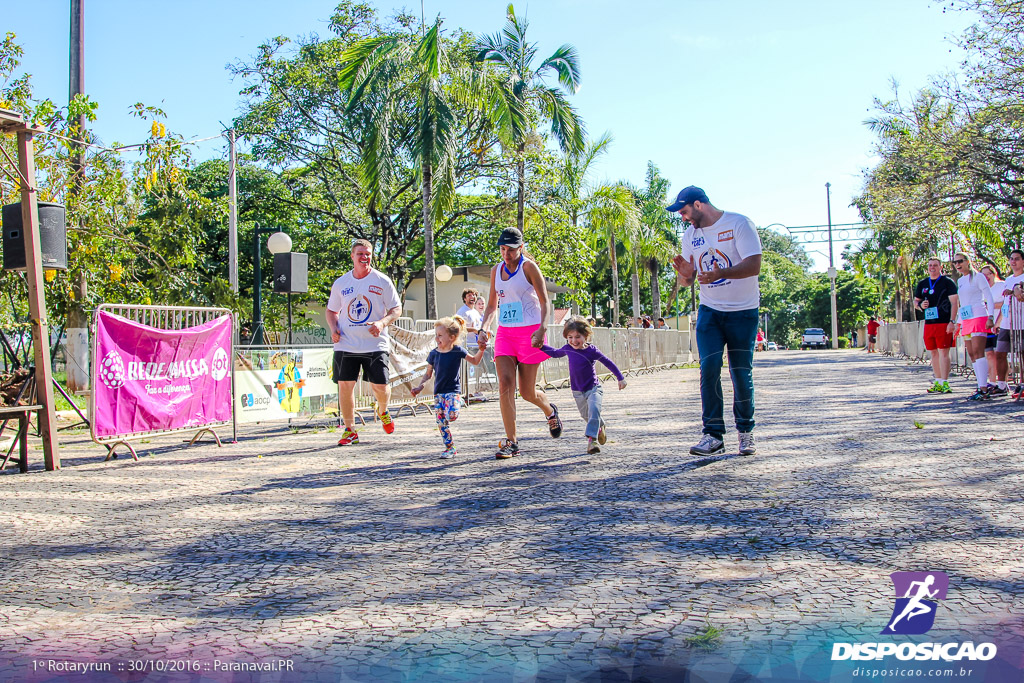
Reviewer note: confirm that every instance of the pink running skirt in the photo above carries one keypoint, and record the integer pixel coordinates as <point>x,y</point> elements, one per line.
<point>515,342</point>
<point>972,327</point>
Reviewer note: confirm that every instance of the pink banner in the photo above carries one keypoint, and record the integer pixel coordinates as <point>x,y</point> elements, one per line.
<point>146,379</point>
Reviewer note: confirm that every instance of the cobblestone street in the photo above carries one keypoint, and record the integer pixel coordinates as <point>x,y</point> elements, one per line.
<point>382,562</point>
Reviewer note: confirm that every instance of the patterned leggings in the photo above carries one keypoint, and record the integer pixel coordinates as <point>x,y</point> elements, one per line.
<point>447,407</point>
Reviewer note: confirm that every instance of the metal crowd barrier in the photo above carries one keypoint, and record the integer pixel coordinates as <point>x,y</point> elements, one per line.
<point>163,318</point>
<point>906,341</point>
<point>635,351</point>
<point>1014,322</point>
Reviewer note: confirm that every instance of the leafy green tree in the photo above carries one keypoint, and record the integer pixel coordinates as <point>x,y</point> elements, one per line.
<point>948,177</point>
<point>352,177</point>
<point>782,281</point>
<point>855,301</point>
<point>373,71</point>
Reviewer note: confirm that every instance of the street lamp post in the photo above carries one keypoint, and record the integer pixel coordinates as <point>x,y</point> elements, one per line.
<point>832,268</point>
<point>276,245</point>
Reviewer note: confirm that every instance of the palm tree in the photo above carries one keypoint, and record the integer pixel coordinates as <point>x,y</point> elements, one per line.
<point>513,56</point>
<point>649,248</point>
<point>377,72</point>
<point>654,243</point>
<point>571,189</point>
<point>613,216</point>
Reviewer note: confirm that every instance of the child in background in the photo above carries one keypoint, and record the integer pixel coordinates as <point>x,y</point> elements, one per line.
<point>445,363</point>
<point>586,387</point>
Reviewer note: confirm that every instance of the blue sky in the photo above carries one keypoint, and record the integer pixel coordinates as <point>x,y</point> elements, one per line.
<point>759,102</point>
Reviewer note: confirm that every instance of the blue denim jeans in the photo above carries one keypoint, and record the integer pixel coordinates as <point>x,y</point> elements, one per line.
<point>717,330</point>
<point>589,404</point>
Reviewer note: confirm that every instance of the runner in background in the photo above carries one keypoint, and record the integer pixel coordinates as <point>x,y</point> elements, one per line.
<point>933,297</point>
<point>971,307</point>
<point>872,330</point>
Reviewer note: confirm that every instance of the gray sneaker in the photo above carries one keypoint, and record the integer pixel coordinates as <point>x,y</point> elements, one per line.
<point>747,446</point>
<point>708,445</point>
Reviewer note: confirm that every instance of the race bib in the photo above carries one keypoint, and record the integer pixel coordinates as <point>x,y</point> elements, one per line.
<point>966,313</point>
<point>510,313</point>
<point>931,313</point>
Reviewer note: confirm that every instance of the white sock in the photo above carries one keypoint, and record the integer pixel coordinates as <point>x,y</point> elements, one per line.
<point>1003,385</point>
<point>981,372</point>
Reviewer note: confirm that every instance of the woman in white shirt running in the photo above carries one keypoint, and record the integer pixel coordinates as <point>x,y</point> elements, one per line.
<point>520,298</point>
<point>972,304</point>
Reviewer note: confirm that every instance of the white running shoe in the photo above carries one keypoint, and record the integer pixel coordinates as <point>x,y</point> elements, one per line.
<point>708,445</point>
<point>747,446</point>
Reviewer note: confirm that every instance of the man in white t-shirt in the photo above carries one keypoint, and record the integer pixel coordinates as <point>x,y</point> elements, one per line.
<point>722,251</point>
<point>362,304</point>
<point>472,316</point>
<point>1009,321</point>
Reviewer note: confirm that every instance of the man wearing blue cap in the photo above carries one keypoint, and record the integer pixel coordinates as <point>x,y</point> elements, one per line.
<point>721,251</point>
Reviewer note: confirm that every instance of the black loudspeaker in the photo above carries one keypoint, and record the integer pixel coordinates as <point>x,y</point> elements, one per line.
<point>53,237</point>
<point>290,273</point>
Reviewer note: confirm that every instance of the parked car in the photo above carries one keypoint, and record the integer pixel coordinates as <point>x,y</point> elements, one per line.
<point>814,338</point>
<point>772,346</point>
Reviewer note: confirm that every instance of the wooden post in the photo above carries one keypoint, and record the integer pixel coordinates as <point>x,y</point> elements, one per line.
<point>37,299</point>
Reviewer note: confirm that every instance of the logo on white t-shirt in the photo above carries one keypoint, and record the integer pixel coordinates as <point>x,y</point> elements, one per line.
<point>712,257</point>
<point>359,309</point>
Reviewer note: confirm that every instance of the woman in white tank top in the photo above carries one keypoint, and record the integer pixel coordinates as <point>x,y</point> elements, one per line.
<point>520,299</point>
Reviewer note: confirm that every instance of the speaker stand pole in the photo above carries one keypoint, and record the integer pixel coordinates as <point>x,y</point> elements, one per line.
<point>289,318</point>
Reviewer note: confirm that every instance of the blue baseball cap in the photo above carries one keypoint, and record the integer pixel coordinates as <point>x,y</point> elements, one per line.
<point>688,195</point>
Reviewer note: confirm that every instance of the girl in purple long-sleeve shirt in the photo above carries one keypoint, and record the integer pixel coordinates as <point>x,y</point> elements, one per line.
<point>586,387</point>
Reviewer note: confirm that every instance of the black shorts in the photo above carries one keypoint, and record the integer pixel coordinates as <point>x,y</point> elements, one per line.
<point>374,365</point>
<point>990,342</point>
